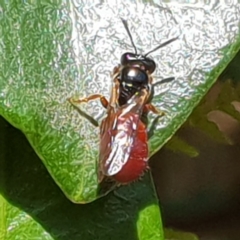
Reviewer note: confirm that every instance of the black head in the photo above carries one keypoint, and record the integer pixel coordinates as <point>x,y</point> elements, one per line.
<point>140,60</point>
<point>137,60</point>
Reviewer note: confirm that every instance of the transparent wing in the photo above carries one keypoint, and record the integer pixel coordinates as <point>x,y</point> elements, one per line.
<point>118,132</point>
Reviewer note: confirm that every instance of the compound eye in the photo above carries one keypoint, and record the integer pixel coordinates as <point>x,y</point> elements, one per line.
<point>149,65</point>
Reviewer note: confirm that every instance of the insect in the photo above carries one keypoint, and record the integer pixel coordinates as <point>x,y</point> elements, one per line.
<point>123,149</point>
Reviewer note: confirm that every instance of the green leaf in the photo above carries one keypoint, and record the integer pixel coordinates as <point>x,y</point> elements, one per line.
<point>16,224</point>
<point>177,235</point>
<point>52,51</point>
<point>217,116</point>
<point>177,144</point>
<point>33,207</point>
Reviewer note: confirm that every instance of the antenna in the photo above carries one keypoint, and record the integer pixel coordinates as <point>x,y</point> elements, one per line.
<point>129,34</point>
<point>161,45</point>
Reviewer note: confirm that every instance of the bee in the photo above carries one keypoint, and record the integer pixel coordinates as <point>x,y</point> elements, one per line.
<point>123,151</point>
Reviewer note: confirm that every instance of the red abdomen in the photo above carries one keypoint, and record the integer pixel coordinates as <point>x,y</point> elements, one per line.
<point>123,147</point>
<point>137,162</point>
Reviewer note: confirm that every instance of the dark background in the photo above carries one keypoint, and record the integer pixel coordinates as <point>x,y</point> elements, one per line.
<point>201,194</point>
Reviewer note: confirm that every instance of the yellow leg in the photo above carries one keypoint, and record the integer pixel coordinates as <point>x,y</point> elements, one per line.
<point>103,100</point>
<point>152,108</point>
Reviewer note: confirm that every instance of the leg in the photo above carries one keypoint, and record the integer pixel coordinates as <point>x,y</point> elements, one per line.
<point>116,71</point>
<point>150,107</point>
<point>113,101</point>
<point>103,100</point>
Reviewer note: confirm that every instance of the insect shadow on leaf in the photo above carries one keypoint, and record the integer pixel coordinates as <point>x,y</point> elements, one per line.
<point>93,121</point>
